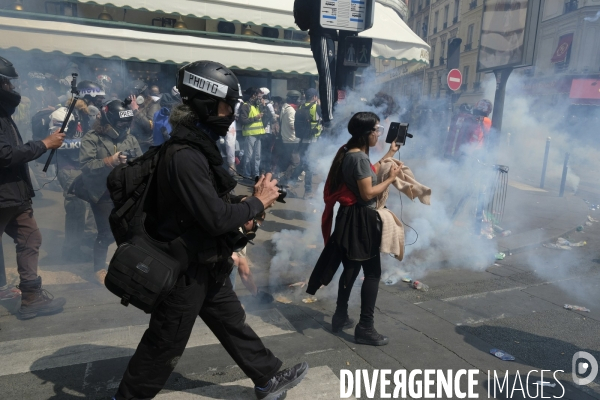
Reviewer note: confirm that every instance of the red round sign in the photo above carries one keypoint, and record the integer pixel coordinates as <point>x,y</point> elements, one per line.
<point>454,79</point>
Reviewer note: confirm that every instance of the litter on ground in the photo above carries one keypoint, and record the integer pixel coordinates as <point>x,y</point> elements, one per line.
<point>282,299</point>
<point>500,256</point>
<point>576,308</point>
<point>298,284</point>
<point>501,354</point>
<point>309,300</point>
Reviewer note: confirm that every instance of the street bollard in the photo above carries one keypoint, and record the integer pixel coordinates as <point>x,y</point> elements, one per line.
<point>545,163</point>
<point>564,176</point>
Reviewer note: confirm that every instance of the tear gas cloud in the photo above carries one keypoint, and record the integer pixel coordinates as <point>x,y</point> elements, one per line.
<point>443,240</point>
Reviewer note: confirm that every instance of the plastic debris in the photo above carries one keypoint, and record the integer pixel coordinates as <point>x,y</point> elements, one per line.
<point>565,242</point>
<point>297,284</point>
<point>580,228</point>
<point>407,280</point>
<point>556,246</point>
<point>506,233</point>
<point>576,308</point>
<point>389,281</point>
<point>544,383</point>
<point>420,286</point>
<point>588,223</point>
<point>282,299</point>
<point>500,256</point>
<point>309,300</point>
<point>501,354</point>
<point>590,219</point>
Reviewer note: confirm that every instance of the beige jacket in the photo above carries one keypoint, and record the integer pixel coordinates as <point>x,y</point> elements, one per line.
<point>392,230</point>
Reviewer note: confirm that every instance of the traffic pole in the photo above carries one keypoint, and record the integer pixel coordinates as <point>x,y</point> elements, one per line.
<point>542,181</point>
<point>563,181</point>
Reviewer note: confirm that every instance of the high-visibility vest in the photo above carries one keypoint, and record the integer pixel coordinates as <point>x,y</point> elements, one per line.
<point>315,126</point>
<point>256,127</point>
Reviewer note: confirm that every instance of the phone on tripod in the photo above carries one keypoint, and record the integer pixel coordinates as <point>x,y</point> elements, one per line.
<point>398,133</point>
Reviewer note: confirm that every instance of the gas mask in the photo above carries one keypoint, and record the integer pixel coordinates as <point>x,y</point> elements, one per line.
<point>116,132</point>
<point>220,125</point>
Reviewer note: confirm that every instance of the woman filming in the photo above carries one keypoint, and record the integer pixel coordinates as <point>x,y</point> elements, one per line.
<point>352,181</point>
<point>107,145</point>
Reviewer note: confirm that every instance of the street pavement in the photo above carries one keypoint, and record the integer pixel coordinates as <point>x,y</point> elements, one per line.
<point>515,304</point>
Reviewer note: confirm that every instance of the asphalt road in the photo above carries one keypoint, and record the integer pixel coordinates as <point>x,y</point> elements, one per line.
<point>515,305</point>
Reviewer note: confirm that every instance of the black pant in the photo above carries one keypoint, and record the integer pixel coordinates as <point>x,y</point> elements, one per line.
<point>105,238</point>
<point>18,223</point>
<point>368,293</point>
<point>195,294</point>
<point>304,166</point>
<point>323,49</point>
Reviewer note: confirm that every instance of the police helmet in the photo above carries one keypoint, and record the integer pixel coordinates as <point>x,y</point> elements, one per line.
<point>202,84</point>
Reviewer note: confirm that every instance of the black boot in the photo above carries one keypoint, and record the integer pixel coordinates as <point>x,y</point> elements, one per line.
<point>368,335</point>
<point>341,322</point>
<point>37,301</point>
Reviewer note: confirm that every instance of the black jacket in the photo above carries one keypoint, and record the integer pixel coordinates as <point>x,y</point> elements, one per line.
<point>193,194</point>
<point>15,183</point>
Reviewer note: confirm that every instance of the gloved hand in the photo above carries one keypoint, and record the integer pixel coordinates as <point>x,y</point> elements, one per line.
<point>114,160</point>
<point>264,297</point>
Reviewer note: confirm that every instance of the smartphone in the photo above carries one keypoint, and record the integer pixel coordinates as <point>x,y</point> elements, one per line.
<point>398,132</point>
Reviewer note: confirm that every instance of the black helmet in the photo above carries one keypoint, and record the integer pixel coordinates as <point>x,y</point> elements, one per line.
<point>89,90</point>
<point>116,111</point>
<point>7,70</point>
<point>137,87</point>
<point>202,84</point>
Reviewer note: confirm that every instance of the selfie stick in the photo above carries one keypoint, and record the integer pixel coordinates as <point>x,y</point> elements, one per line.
<point>75,93</point>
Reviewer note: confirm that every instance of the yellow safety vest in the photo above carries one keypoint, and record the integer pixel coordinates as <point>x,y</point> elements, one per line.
<point>255,128</point>
<point>315,126</point>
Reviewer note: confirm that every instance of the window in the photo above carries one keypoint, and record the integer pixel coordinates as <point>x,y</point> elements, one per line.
<point>446,11</point>
<point>466,77</point>
<point>430,85</point>
<point>456,7</point>
<point>432,52</point>
<point>443,49</point>
<point>470,30</point>
<point>435,21</point>
<point>418,27</point>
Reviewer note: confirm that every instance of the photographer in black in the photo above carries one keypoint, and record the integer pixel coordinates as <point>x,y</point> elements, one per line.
<point>192,199</point>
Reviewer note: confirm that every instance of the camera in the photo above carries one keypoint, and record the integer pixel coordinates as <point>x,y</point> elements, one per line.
<point>398,133</point>
<point>282,192</point>
<point>130,153</point>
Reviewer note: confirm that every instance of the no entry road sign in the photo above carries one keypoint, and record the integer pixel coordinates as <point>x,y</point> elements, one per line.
<point>454,79</point>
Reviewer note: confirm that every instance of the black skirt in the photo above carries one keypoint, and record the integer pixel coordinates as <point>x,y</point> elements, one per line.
<point>357,236</point>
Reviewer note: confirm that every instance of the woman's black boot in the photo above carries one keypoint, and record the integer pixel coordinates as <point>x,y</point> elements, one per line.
<point>341,322</point>
<point>368,335</point>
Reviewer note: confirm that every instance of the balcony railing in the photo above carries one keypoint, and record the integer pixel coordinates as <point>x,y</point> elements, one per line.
<point>427,3</point>
<point>464,87</point>
<point>431,62</point>
<point>570,6</point>
<point>455,20</point>
<point>420,7</point>
<point>468,46</point>
<point>435,30</point>
<point>442,61</point>
<point>476,86</point>
<point>473,5</point>
<point>445,25</point>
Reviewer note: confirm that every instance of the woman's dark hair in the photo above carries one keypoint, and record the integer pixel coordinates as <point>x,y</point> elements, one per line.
<point>360,126</point>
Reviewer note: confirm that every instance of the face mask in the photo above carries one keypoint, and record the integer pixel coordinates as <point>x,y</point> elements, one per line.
<point>112,133</point>
<point>220,125</point>
<point>139,100</point>
<point>9,101</point>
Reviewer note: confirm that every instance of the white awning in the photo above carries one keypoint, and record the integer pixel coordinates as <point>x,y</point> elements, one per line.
<point>51,36</point>
<point>274,13</point>
<point>392,38</point>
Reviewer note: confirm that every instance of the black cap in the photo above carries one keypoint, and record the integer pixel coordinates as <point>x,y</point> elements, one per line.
<point>116,111</point>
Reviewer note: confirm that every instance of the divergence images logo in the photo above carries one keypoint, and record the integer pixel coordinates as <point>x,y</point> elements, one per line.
<point>580,368</point>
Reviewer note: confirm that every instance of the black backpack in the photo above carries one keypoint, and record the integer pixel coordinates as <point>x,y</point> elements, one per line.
<point>303,122</point>
<point>143,270</point>
<point>302,13</point>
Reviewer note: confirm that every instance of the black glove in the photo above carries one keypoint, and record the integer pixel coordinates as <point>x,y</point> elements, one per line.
<point>264,297</point>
